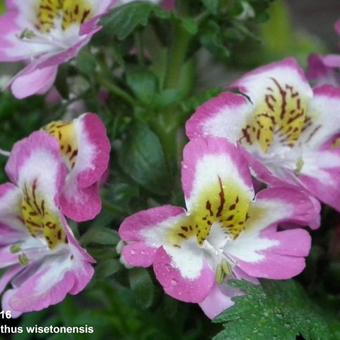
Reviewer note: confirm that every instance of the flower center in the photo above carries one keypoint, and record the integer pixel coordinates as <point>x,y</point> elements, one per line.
<point>281,119</point>
<point>65,133</point>
<point>63,13</point>
<point>216,246</point>
<point>229,211</point>
<point>39,219</point>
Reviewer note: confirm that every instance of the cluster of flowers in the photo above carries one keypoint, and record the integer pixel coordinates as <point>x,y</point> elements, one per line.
<point>54,173</point>
<point>279,131</point>
<point>284,134</point>
<point>48,33</point>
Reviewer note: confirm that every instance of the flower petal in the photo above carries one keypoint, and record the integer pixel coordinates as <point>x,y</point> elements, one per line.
<point>218,301</point>
<point>10,200</point>
<point>285,259</point>
<point>322,178</point>
<point>325,108</point>
<point>332,60</point>
<point>159,220</point>
<point>29,82</point>
<point>288,71</point>
<point>49,283</point>
<point>146,231</point>
<point>178,287</point>
<point>290,204</point>
<point>40,189</point>
<point>272,207</point>
<point>94,151</point>
<point>138,254</point>
<point>206,162</point>
<point>319,73</point>
<point>223,116</point>
<point>81,204</point>
<point>86,150</point>
<point>29,160</point>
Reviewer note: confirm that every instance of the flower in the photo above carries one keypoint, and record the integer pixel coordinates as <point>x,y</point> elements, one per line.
<point>225,232</point>
<point>318,73</point>
<point>46,33</point>
<point>333,60</point>
<point>43,260</point>
<point>86,152</point>
<point>288,131</point>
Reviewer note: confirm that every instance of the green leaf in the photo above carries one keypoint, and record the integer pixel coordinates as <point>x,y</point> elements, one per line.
<point>86,63</point>
<point>101,236</point>
<point>125,19</point>
<point>273,310</point>
<point>212,39</point>
<point>142,158</point>
<point>211,5</point>
<point>107,268</point>
<point>143,83</point>
<point>142,286</point>
<point>190,25</point>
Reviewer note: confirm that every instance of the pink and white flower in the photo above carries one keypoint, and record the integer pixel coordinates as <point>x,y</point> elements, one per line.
<point>43,261</point>
<point>288,130</point>
<point>225,232</point>
<point>46,34</point>
<point>86,152</point>
<point>319,73</point>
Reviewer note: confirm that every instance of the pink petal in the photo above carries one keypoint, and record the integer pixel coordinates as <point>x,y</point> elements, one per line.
<point>42,144</point>
<point>223,116</point>
<point>284,260</point>
<point>180,288</point>
<point>217,302</point>
<point>211,151</point>
<point>132,226</point>
<point>37,81</point>
<point>137,254</point>
<point>301,208</point>
<point>96,133</point>
<point>81,204</point>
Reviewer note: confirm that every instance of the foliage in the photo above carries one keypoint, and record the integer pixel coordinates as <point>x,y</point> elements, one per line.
<point>273,310</point>
<point>141,74</point>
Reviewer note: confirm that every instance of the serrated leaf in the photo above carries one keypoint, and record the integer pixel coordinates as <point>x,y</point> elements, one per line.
<point>142,158</point>
<point>142,285</point>
<point>273,310</point>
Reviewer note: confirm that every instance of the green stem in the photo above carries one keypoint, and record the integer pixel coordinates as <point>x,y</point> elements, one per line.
<point>103,80</point>
<point>115,90</point>
<point>176,56</point>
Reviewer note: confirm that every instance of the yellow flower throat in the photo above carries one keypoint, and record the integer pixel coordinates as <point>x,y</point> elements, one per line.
<point>39,219</point>
<point>69,12</point>
<point>225,205</point>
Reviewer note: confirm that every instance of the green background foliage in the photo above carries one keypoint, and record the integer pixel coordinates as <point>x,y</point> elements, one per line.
<point>143,75</point>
